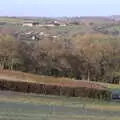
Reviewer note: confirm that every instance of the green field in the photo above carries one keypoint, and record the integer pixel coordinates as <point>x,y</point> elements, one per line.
<point>11,20</point>
<point>23,106</point>
<point>19,106</point>
<point>114,27</point>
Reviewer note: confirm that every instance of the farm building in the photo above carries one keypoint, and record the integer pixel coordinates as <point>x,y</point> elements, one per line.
<point>30,24</point>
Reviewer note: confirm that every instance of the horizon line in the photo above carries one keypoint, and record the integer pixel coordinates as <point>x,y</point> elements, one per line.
<point>59,16</point>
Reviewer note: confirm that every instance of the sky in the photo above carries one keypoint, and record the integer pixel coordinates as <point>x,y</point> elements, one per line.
<point>59,8</point>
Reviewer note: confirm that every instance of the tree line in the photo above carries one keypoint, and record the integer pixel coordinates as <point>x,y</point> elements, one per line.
<point>94,57</point>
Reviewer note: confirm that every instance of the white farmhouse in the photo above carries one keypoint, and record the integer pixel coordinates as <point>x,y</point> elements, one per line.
<point>28,24</point>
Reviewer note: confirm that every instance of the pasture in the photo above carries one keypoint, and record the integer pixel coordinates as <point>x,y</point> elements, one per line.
<point>37,107</point>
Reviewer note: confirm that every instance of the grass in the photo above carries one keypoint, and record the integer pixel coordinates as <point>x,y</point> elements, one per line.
<point>113,86</point>
<point>65,101</point>
<point>23,106</point>
<point>108,85</point>
<point>16,75</point>
<point>27,77</point>
<point>36,107</point>
<point>115,27</point>
<point>11,20</point>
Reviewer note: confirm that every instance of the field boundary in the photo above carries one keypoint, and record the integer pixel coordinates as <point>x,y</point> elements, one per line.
<point>54,89</point>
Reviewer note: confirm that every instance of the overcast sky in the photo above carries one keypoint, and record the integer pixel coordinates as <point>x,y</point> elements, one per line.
<point>56,8</point>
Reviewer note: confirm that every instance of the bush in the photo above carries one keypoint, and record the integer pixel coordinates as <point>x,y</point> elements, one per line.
<point>49,89</point>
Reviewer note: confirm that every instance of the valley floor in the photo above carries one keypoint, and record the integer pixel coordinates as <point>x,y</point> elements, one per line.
<point>21,106</point>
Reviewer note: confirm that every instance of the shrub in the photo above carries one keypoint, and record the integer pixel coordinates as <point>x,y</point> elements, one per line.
<point>50,89</point>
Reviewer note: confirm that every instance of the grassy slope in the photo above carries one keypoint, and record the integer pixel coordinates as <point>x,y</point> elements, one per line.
<point>115,27</point>
<point>16,75</point>
<point>112,86</point>
<point>62,31</point>
<point>27,77</point>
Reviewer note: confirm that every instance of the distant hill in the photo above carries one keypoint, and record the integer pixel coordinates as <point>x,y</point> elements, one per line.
<point>115,17</point>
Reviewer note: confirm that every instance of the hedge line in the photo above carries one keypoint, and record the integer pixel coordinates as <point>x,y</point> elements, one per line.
<point>49,89</point>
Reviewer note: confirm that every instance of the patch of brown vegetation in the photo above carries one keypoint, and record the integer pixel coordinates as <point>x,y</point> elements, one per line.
<point>59,81</point>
